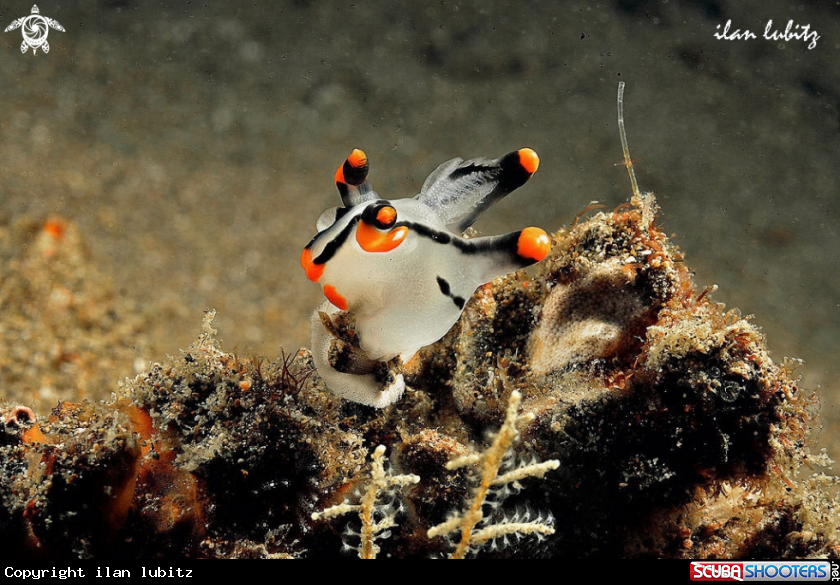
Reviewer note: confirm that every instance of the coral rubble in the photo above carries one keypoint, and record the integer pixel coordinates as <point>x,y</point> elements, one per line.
<point>675,433</point>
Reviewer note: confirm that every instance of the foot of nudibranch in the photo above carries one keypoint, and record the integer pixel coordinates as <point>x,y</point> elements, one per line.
<point>347,370</point>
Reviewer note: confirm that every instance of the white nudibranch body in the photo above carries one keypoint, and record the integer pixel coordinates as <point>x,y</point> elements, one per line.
<point>402,267</point>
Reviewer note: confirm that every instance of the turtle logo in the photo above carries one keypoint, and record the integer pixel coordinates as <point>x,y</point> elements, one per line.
<point>35,30</point>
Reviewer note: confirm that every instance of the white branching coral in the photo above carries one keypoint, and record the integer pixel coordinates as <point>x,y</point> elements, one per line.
<point>474,527</point>
<point>376,518</point>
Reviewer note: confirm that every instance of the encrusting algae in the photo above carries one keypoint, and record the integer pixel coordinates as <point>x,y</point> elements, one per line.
<point>674,432</point>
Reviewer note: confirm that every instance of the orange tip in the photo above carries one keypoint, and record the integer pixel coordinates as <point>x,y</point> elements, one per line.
<point>529,160</point>
<point>357,158</point>
<point>533,243</point>
<point>386,216</point>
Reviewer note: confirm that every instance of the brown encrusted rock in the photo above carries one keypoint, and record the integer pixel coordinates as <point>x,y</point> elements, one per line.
<point>204,446</point>
<point>607,283</point>
<point>676,433</point>
<point>646,392</point>
<point>261,449</point>
<point>63,477</point>
<point>440,490</point>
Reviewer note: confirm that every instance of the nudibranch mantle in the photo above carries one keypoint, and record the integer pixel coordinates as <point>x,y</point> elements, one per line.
<point>403,269</point>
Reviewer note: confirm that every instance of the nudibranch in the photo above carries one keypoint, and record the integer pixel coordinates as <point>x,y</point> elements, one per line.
<point>397,274</point>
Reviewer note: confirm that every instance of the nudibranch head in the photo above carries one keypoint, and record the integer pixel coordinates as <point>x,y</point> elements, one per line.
<point>402,267</point>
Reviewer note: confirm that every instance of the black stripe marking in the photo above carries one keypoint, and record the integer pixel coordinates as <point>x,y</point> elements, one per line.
<point>444,286</point>
<point>332,247</point>
<point>431,233</point>
<point>339,213</point>
<point>447,291</point>
<point>508,243</point>
<point>472,168</point>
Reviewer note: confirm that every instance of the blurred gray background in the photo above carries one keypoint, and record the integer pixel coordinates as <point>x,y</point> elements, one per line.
<point>194,143</point>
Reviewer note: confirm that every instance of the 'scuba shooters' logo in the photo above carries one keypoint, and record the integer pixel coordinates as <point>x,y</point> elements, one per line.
<point>35,30</point>
<point>762,571</point>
